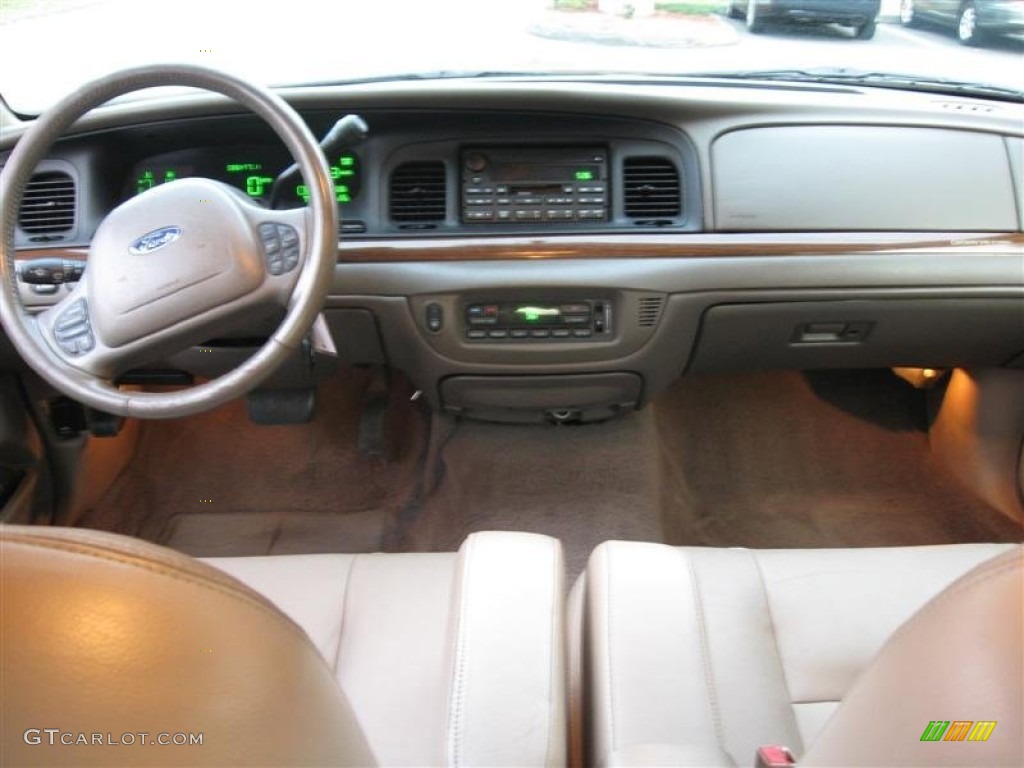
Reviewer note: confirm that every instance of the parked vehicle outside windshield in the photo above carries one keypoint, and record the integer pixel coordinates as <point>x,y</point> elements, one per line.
<point>49,47</point>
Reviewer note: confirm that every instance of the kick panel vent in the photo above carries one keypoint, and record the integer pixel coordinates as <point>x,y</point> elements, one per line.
<point>649,310</point>
<point>48,206</point>
<point>418,193</point>
<point>651,188</point>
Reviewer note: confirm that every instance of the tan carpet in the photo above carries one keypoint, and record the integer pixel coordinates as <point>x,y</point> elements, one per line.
<point>836,459</point>
<point>582,484</point>
<point>221,471</point>
<point>828,459</point>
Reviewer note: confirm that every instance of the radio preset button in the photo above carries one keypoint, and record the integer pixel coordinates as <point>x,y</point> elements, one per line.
<point>527,215</point>
<point>484,215</point>
<point>559,213</point>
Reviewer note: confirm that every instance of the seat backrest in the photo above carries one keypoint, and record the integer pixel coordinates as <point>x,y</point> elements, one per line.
<point>115,651</point>
<point>947,688</point>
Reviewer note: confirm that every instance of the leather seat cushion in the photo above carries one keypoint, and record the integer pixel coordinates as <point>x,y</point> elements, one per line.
<point>445,658</point>
<point>730,649</point>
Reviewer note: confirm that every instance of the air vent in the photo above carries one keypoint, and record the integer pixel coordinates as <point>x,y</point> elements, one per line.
<point>649,310</point>
<point>48,206</point>
<point>651,189</point>
<point>418,193</point>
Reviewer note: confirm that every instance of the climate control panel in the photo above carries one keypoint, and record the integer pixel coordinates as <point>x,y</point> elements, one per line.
<point>538,321</point>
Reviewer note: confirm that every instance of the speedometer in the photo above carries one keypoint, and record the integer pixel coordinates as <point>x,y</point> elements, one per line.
<point>253,170</point>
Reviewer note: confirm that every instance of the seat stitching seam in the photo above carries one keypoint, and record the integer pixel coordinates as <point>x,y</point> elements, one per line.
<point>608,643</point>
<point>553,646</point>
<point>775,637</point>
<point>705,653</point>
<point>461,643</point>
<point>349,578</point>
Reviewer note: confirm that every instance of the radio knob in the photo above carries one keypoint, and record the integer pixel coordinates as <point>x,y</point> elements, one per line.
<point>476,162</point>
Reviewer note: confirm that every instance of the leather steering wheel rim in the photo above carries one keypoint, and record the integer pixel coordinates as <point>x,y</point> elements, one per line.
<point>303,305</point>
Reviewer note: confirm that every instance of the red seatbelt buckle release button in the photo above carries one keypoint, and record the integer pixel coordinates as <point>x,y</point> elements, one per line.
<point>774,757</point>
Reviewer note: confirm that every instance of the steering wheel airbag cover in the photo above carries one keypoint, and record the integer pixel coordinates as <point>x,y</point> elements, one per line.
<point>182,250</point>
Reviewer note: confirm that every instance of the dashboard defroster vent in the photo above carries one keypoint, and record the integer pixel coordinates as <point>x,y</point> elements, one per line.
<point>418,193</point>
<point>651,189</point>
<point>48,207</point>
<point>649,310</point>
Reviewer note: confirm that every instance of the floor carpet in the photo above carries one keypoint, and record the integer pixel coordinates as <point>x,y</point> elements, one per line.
<point>220,477</point>
<point>831,459</point>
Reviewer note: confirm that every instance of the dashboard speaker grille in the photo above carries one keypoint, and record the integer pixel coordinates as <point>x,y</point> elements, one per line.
<point>418,192</point>
<point>649,310</point>
<point>48,206</point>
<point>651,188</point>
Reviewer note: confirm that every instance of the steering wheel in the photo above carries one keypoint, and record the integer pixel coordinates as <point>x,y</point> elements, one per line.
<point>170,266</point>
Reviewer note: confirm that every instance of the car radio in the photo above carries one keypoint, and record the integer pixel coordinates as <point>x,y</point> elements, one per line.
<point>526,321</point>
<point>508,185</point>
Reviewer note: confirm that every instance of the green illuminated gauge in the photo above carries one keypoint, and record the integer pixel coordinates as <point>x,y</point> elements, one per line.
<point>148,178</point>
<point>145,180</point>
<point>345,174</point>
<point>533,314</point>
<point>257,186</point>
<point>346,177</point>
<point>246,174</point>
<point>242,167</point>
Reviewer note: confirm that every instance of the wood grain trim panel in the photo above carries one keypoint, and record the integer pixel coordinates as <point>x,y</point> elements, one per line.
<point>632,246</point>
<point>660,246</point>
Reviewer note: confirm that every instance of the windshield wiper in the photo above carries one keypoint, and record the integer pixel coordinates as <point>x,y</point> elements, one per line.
<point>843,76</point>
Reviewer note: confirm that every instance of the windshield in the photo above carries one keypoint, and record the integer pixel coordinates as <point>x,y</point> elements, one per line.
<point>49,47</point>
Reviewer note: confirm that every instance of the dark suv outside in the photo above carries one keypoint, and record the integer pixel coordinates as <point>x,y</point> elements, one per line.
<point>862,15</point>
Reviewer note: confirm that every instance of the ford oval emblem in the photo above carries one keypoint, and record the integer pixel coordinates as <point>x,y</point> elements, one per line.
<point>155,240</point>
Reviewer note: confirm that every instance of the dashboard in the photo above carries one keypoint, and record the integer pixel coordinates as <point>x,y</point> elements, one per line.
<point>526,247</point>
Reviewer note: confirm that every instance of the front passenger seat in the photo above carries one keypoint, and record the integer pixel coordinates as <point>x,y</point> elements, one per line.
<point>112,647</point>
<point>691,656</point>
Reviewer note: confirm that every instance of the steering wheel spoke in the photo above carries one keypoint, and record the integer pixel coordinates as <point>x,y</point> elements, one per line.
<point>68,330</point>
<point>283,239</point>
